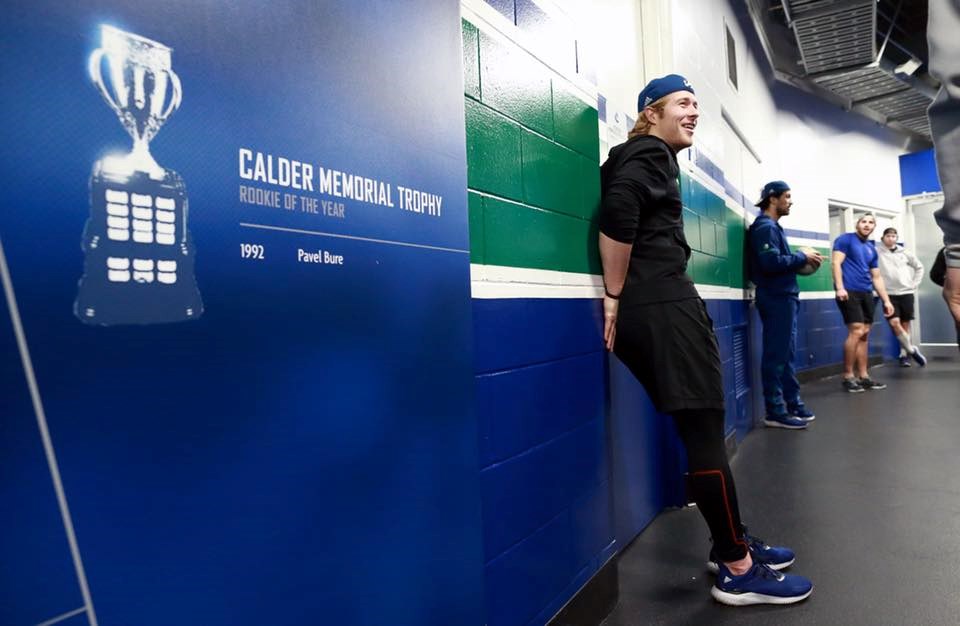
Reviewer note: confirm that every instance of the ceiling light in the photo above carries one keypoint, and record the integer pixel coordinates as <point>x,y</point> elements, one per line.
<point>909,67</point>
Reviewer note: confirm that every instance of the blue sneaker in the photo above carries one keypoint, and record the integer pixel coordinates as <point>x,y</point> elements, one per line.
<point>919,358</point>
<point>784,421</point>
<point>803,413</point>
<point>760,585</point>
<point>774,557</point>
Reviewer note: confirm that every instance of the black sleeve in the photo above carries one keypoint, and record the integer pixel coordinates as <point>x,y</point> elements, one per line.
<point>938,273</point>
<point>636,183</point>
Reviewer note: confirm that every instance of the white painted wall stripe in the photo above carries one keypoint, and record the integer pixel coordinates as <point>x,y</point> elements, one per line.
<point>817,295</point>
<point>498,281</point>
<point>508,291</point>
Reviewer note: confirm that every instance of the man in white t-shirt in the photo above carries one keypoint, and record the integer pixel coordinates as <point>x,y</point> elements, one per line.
<point>902,273</point>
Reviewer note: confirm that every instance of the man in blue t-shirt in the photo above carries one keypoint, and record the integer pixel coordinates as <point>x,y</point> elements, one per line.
<point>773,269</point>
<point>855,276</point>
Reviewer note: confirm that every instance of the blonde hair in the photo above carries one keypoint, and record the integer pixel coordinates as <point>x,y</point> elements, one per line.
<point>643,125</point>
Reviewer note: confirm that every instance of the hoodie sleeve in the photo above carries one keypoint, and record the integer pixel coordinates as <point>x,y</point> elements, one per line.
<point>765,244</point>
<point>917,266</point>
<point>639,181</point>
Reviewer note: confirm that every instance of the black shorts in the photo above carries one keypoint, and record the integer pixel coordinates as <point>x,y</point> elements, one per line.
<point>672,350</point>
<point>857,308</point>
<point>902,307</point>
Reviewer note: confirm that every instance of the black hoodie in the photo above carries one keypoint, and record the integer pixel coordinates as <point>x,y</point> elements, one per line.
<point>641,205</point>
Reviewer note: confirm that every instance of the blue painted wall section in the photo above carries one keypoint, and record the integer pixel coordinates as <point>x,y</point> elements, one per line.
<point>545,474</point>
<point>918,173</point>
<point>646,454</point>
<point>821,333</point>
<point>37,580</point>
<point>540,402</point>
<point>306,451</point>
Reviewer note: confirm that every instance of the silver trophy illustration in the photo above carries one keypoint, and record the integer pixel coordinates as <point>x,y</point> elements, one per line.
<point>139,255</point>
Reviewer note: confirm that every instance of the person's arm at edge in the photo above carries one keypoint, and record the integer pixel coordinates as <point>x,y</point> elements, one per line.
<point>881,291</point>
<point>615,258</point>
<point>836,260</point>
<point>951,294</point>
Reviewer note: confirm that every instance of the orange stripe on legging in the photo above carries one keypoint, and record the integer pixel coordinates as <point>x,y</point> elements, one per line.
<point>726,503</point>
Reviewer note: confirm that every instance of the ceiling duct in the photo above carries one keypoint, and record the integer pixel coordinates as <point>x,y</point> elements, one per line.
<point>861,54</point>
<point>832,34</point>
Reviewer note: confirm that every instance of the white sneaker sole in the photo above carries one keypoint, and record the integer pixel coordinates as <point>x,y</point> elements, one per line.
<point>714,568</point>
<point>774,424</point>
<point>745,599</point>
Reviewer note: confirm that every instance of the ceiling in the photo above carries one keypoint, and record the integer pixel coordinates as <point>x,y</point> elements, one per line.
<point>869,56</point>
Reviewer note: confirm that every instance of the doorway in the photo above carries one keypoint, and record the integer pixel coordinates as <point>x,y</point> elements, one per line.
<point>935,327</point>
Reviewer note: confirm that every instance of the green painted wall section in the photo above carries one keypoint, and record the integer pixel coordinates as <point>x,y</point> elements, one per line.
<point>534,181</point>
<point>715,234</point>
<point>822,280</point>
<point>533,153</point>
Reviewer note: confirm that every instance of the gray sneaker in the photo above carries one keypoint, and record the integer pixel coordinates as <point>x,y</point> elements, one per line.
<point>868,383</point>
<point>851,385</point>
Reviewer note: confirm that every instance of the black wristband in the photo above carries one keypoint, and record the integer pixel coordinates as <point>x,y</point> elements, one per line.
<point>610,295</point>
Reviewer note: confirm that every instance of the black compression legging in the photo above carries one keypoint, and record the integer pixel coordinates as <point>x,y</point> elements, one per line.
<point>710,482</point>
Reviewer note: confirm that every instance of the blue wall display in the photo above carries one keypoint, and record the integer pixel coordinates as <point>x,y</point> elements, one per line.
<point>918,173</point>
<point>247,309</point>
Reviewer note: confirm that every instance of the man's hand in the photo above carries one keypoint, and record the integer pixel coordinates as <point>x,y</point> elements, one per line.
<point>610,307</point>
<point>842,294</point>
<point>812,256</point>
<point>888,309</point>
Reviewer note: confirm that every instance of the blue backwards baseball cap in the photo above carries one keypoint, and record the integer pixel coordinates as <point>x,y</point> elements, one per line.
<point>774,187</point>
<point>660,87</point>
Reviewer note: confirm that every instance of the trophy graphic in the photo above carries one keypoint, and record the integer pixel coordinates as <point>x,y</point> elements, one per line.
<point>139,257</point>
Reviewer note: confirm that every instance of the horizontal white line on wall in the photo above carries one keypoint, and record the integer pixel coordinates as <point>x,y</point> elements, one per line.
<point>817,295</point>
<point>813,243</point>
<point>505,274</point>
<point>717,292</point>
<point>498,281</point>
<point>504,291</point>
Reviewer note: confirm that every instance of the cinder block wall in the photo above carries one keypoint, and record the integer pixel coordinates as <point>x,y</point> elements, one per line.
<point>565,431</point>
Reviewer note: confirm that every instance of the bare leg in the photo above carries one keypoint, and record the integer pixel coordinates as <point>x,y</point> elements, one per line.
<point>854,331</point>
<point>902,334</point>
<point>862,352</point>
